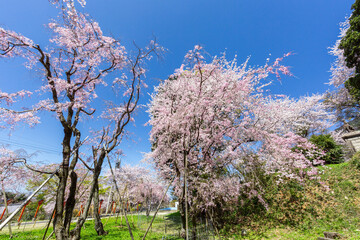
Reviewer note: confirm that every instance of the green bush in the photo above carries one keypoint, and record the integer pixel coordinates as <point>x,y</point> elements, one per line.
<point>355,161</point>
<point>333,151</point>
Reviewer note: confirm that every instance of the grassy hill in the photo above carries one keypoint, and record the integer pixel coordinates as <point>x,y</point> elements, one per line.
<point>305,211</point>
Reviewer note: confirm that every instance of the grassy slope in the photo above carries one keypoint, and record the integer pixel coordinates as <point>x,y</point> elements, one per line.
<point>338,210</point>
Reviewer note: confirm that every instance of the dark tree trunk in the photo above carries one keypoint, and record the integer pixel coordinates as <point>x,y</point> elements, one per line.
<point>70,202</point>
<point>99,228</point>
<point>182,209</point>
<point>58,224</point>
<point>59,229</point>
<point>75,233</point>
<point>94,190</point>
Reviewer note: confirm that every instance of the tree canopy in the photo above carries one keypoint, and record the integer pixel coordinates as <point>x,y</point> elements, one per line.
<point>350,43</point>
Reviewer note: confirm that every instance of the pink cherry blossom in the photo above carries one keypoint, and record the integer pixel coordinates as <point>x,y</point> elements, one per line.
<point>217,117</point>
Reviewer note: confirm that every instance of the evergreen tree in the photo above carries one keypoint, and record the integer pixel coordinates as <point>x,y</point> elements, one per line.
<point>350,43</point>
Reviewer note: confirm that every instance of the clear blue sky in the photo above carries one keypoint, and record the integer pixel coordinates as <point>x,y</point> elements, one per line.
<point>253,28</point>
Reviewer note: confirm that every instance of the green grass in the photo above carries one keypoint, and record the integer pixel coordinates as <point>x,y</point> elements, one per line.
<point>115,229</point>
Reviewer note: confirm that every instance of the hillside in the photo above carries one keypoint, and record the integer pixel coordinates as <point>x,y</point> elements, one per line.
<point>306,211</point>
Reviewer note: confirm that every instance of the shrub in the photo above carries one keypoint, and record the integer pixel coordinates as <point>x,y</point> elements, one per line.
<point>355,161</point>
<point>333,151</point>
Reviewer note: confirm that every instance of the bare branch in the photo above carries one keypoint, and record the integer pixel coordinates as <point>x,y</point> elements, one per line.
<point>87,166</point>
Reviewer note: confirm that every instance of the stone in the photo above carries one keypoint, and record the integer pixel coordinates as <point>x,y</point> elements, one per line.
<point>332,235</point>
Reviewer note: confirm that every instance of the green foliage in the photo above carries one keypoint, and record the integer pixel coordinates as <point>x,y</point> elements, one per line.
<point>353,86</point>
<point>350,43</point>
<point>333,151</point>
<point>15,197</point>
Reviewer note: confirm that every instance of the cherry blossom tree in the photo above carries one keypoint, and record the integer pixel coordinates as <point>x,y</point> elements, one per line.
<point>118,117</point>
<point>339,99</point>
<point>79,63</point>
<point>212,123</point>
<point>12,174</point>
<point>140,185</point>
<point>10,118</point>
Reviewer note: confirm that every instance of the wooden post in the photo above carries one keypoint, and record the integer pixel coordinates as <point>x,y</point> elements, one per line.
<point>37,209</point>
<point>81,210</point>
<point>101,201</point>
<point>114,208</point>
<point>7,210</point>
<point>7,204</point>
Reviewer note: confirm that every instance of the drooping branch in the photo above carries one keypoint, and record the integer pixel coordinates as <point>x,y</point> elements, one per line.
<point>23,160</point>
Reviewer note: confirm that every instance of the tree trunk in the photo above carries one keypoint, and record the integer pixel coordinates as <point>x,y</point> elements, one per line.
<point>182,208</point>
<point>186,198</point>
<point>75,233</point>
<point>181,200</point>
<point>99,228</point>
<point>59,228</point>
<point>148,202</point>
<point>59,205</point>
<point>214,225</point>
<point>70,202</point>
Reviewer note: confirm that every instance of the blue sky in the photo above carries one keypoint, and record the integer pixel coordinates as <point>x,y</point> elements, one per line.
<point>254,28</point>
